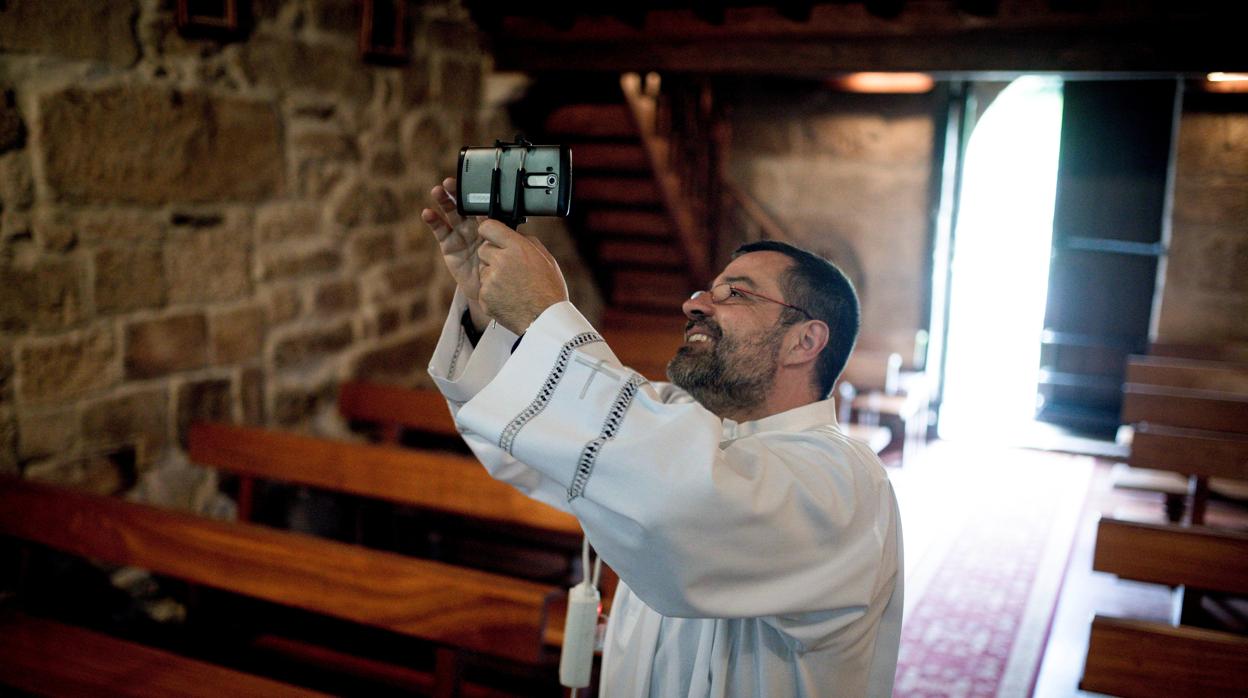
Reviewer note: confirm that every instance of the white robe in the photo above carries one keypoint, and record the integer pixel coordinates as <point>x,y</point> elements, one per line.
<point>758,559</point>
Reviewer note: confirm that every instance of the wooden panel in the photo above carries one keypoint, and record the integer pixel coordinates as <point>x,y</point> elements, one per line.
<point>1183,407</point>
<point>1236,352</point>
<point>633,223</point>
<point>609,156</point>
<point>458,607</point>
<point>47,658</point>
<point>421,410</point>
<point>600,120</point>
<point>442,482</point>
<point>1143,659</point>
<point>1188,373</point>
<point>1190,451</point>
<point>1197,556</point>
<point>637,191</point>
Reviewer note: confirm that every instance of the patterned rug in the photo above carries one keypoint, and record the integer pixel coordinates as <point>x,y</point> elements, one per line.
<point>988,534</point>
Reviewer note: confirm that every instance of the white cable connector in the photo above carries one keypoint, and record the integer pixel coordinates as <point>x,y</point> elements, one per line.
<point>580,628</point>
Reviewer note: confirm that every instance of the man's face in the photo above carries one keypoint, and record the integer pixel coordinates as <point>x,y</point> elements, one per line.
<point>729,358</point>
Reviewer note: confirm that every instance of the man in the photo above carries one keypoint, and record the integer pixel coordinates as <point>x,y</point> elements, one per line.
<point>758,548</point>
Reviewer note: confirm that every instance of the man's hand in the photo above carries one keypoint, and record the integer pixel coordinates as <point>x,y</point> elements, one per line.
<point>459,242</point>
<point>519,277</point>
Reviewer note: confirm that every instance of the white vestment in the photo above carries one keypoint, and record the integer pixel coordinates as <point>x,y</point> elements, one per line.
<point>757,559</point>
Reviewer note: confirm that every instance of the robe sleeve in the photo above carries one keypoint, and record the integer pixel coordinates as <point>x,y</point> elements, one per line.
<point>791,524</point>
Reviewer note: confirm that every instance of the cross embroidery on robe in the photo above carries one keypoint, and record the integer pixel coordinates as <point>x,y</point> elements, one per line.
<point>595,368</point>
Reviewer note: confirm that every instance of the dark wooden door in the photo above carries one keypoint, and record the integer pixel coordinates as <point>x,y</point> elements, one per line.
<point>1108,225</point>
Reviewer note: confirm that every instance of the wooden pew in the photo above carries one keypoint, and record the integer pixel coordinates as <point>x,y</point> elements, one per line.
<point>1187,373</point>
<point>1185,407</point>
<point>34,659</point>
<point>443,482</point>
<point>394,409</point>
<point>1152,660</point>
<point>1141,658</point>
<point>453,607</point>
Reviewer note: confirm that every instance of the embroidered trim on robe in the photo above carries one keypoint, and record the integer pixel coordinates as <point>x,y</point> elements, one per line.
<point>508,437</point>
<point>589,455</point>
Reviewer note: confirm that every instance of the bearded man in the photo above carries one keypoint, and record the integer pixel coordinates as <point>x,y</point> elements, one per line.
<point>758,548</point>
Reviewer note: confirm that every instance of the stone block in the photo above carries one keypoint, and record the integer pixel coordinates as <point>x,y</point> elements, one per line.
<point>56,369</point>
<point>453,35</point>
<point>97,31</point>
<point>139,417</point>
<point>338,16</point>
<point>237,335</point>
<point>308,346</point>
<point>284,304</point>
<point>47,433</point>
<point>426,140</point>
<point>324,145</point>
<point>6,370</point>
<point>17,188</point>
<point>8,442</point>
<point>129,278</point>
<point>362,204</point>
<point>287,221</point>
<point>47,295</point>
<point>166,345</point>
<point>387,162</point>
<point>409,276</point>
<point>372,246</point>
<point>251,396</point>
<point>111,227</point>
<point>208,264</point>
<point>387,321</point>
<point>871,137</point>
<point>203,400</point>
<point>1213,143</point>
<point>337,296</point>
<point>459,83</point>
<point>289,64</point>
<point>163,146</point>
<point>12,127</point>
<point>294,264</point>
<point>297,406</point>
<point>395,363</point>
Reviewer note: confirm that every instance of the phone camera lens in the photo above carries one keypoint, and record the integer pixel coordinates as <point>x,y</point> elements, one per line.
<point>550,181</point>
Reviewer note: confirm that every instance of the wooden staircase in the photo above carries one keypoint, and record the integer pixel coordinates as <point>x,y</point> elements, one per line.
<point>625,230</point>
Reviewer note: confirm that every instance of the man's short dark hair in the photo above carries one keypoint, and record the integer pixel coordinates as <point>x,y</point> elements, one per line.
<point>820,288</point>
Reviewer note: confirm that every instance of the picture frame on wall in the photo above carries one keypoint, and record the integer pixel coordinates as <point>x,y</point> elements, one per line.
<point>384,32</point>
<point>221,19</point>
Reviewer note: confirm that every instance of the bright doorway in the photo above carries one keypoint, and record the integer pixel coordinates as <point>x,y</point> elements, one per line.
<point>1000,264</point>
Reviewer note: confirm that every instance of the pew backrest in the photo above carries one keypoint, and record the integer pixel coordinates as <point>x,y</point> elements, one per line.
<point>1185,407</point>
<point>436,481</point>
<point>417,409</point>
<point>1198,557</point>
<point>1187,373</point>
<point>452,606</point>
<point>1190,451</point>
<point>1153,660</point>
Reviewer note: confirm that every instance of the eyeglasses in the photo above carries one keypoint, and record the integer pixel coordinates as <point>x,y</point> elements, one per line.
<point>723,293</point>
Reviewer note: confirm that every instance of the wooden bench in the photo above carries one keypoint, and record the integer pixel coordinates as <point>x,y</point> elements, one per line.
<point>453,607</point>
<point>443,482</point>
<point>1143,658</point>
<point>1190,417</point>
<point>44,657</point>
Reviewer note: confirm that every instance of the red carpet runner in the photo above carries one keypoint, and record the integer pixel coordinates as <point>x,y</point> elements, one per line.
<point>988,532</point>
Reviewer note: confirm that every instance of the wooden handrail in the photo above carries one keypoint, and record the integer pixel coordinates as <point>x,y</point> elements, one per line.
<point>660,149</point>
<point>453,606</point>
<point>438,481</point>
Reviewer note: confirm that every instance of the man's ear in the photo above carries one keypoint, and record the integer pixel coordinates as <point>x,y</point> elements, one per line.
<point>807,340</point>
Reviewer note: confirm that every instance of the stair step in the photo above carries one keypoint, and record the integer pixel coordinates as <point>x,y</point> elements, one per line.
<point>598,120</point>
<point>651,289</point>
<point>640,252</point>
<point>618,190</point>
<point>648,224</point>
<point>626,157</point>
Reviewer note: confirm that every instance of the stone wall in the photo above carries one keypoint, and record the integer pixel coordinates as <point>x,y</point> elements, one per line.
<point>847,176</point>
<point>198,229</point>
<point>1205,292</point>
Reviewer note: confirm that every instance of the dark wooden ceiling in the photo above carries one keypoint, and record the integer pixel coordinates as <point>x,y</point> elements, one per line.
<point>822,39</point>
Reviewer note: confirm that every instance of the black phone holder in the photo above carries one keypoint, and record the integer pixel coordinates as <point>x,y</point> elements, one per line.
<point>516,216</point>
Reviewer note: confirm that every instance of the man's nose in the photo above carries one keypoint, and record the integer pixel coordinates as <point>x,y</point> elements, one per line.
<point>698,305</point>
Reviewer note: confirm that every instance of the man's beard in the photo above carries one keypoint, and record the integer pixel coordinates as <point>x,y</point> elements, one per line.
<point>734,376</point>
